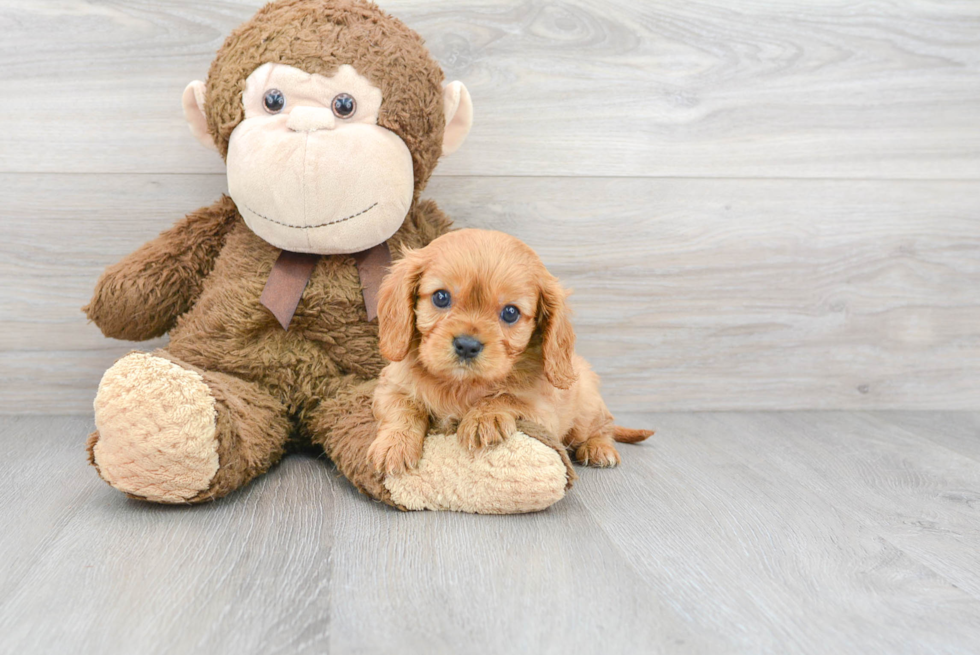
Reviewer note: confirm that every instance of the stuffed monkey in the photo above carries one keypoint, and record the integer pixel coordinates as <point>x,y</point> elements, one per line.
<point>330,116</point>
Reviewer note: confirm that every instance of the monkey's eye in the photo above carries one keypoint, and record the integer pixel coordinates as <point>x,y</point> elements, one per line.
<point>344,106</point>
<point>441,299</point>
<point>274,101</point>
<point>510,314</point>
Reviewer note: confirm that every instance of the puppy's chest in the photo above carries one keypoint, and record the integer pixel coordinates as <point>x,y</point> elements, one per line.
<point>444,417</point>
<point>448,403</point>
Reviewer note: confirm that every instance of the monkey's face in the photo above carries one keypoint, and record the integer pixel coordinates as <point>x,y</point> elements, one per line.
<point>309,167</point>
<point>328,116</point>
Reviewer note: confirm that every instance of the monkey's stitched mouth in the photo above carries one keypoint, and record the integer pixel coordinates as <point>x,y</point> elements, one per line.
<point>310,227</point>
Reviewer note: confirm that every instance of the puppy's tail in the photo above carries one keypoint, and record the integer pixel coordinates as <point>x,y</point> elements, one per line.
<point>629,435</point>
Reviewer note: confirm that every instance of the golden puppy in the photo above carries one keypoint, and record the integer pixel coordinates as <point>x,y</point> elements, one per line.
<point>479,336</point>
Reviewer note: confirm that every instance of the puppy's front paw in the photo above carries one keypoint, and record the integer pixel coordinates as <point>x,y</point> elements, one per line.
<point>394,452</point>
<point>479,429</point>
<point>597,453</point>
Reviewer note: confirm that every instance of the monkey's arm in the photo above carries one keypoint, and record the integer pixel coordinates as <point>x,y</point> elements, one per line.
<point>142,296</point>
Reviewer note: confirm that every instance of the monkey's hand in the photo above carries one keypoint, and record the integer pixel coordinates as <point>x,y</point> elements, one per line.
<point>142,296</point>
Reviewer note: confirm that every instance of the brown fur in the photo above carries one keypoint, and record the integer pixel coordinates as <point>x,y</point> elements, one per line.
<point>527,370</point>
<point>273,387</point>
<point>201,280</point>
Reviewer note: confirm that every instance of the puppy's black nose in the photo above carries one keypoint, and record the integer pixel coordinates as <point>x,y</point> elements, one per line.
<point>467,347</point>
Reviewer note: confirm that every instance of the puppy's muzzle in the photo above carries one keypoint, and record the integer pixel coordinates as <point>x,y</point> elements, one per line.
<point>467,347</point>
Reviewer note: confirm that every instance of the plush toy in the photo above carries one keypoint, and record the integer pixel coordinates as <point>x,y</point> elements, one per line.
<point>330,116</point>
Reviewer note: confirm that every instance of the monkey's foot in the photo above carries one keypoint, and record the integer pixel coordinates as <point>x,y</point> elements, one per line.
<point>157,430</point>
<point>519,475</point>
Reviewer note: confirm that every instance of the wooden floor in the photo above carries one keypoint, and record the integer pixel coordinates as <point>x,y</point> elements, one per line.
<point>803,532</point>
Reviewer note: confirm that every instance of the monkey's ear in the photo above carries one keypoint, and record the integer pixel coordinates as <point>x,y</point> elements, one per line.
<point>459,116</point>
<point>197,120</point>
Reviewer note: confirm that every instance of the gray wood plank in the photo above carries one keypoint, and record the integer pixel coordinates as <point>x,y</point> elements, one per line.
<point>807,532</point>
<point>956,431</point>
<point>895,479</point>
<point>110,575</point>
<point>723,502</point>
<point>41,488</point>
<point>689,294</point>
<point>584,87</point>
<point>450,583</point>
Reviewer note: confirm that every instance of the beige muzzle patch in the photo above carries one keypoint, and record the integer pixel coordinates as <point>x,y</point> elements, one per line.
<point>157,429</point>
<point>302,191</point>
<point>519,475</point>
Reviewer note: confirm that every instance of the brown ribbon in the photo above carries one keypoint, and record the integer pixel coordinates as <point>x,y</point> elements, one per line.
<point>292,271</point>
<point>372,264</point>
<point>287,281</point>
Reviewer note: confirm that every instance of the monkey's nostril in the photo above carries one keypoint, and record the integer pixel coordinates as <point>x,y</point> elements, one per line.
<point>467,347</point>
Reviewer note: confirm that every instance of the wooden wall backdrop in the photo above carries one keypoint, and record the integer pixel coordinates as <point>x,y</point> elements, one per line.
<point>761,205</point>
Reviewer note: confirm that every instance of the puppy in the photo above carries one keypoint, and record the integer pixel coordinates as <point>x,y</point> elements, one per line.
<point>479,336</point>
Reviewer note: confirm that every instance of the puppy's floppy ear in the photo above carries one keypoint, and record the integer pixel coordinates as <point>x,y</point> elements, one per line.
<point>558,336</point>
<point>396,306</point>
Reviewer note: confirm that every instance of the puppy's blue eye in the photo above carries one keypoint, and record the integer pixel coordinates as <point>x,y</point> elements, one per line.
<point>441,299</point>
<point>510,314</point>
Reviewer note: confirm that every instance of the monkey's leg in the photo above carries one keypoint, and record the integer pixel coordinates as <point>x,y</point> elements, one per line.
<point>526,473</point>
<point>343,424</point>
<point>169,432</point>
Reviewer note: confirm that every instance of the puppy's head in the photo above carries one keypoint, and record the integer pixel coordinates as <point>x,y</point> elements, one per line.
<point>470,304</point>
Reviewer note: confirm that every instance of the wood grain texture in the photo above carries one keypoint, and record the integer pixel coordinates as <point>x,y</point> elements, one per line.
<point>462,584</point>
<point>809,532</point>
<point>658,155</point>
<point>93,572</point>
<point>579,87</point>
<point>731,513</point>
<point>960,431</point>
<point>707,294</point>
